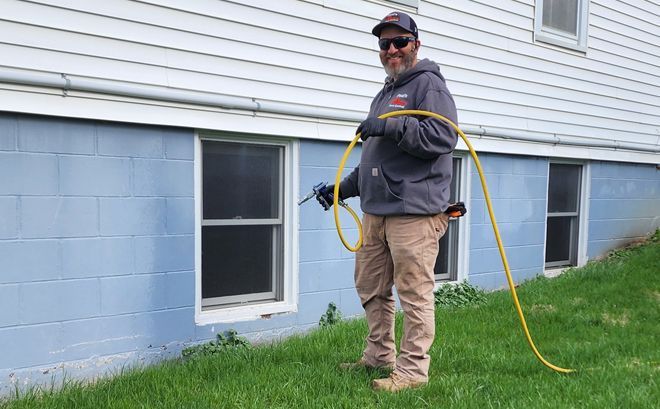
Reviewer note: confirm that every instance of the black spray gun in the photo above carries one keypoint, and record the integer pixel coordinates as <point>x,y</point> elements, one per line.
<point>323,195</point>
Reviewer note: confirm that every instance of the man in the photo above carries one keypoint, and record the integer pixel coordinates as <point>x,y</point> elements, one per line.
<point>403,182</point>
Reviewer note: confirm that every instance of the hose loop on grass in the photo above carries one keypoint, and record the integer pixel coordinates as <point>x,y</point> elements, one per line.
<point>484,187</point>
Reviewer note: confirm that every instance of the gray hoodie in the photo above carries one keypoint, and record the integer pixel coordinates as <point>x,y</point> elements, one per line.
<point>408,171</point>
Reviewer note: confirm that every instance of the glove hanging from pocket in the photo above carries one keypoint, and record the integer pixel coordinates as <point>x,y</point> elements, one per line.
<point>456,210</point>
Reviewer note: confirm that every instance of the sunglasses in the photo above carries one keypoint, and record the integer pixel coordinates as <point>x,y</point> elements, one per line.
<point>399,42</point>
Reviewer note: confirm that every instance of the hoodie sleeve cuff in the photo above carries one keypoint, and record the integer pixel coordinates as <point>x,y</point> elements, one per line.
<point>394,128</point>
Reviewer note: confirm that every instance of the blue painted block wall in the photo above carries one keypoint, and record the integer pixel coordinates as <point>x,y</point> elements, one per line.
<point>624,204</point>
<point>517,187</point>
<point>97,245</point>
<point>326,267</point>
<point>96,239</point>
<point>97,236</point>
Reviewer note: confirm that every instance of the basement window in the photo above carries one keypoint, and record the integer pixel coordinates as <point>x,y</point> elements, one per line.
<point>245,249</point>
<point>446,264</point>
<point>562,22</point>
<point>563,220</point>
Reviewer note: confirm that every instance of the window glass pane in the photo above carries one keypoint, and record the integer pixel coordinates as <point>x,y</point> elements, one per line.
<point>240,181</point>
<point>447,252</point>
<point>561,15</point>
<point>563,188</point>
<point>238,259</point>
<point>558,239</point>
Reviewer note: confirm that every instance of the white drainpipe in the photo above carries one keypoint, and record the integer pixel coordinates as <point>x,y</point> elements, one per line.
<point>69,82</point>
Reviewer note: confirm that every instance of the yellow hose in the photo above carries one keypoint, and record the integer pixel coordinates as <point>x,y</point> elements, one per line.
<point>505,263</point>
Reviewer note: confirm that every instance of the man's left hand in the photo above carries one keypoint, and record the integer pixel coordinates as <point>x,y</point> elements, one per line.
<point>371,127</point>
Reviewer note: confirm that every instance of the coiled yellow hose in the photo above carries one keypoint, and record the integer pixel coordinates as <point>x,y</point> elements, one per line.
<point>505,263</point>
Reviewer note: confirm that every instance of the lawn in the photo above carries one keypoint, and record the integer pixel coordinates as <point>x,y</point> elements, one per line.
<point>602,320</point>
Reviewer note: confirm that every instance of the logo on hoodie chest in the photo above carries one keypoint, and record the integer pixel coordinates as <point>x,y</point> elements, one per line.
<point>399,101</point>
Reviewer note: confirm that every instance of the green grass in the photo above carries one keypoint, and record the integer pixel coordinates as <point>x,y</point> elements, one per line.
<point>602,320</point>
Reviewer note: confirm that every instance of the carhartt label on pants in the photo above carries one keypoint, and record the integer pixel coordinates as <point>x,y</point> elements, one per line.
<point>374,171</point>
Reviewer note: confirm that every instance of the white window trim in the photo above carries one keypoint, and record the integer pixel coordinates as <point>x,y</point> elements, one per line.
<point>289,303</point>
<point>583,216</point>
<point>585,197</point>
<point>409,3</point>
<point>559,38</point>
<point>403,5</point>
<point>463,264</point>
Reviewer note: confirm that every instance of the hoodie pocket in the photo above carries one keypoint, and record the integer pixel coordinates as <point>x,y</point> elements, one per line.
<point>375,194</point>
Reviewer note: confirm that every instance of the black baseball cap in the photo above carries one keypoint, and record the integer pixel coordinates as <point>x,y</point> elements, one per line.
<point>398,19</point>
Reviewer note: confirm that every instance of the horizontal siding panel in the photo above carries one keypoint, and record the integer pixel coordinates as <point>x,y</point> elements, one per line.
<point>528,84</point>
<point>291,16</point>
<point>54,61</point>
<point>499,119</point>
<point>218,28</point>
<point>643,15</point>
<point>356,72</point>
<point>128,31</point>
<point>609,41</point>
<point>610,11</point>
<point>558,121</point>
<point>498,11</point>
<point>66,41</point>
<point>553,60</point>
<point>463,68</point>
<point>28,58</point>
<point>520,8</point>
<point>542,96</point>
<point>643,38</point>
<point>642,70</point>
<point>55,40</point>
<point>271,92</point>
<point>515,60</point>
<point>457,31</point>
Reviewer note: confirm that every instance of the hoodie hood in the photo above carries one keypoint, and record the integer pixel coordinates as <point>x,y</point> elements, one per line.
<point>421,67</point>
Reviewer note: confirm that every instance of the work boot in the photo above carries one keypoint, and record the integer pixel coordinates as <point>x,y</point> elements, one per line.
<point>396,382</point>
<point>362,364</point>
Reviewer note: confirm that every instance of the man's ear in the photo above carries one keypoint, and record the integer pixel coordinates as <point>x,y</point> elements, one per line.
<point>417,44</point>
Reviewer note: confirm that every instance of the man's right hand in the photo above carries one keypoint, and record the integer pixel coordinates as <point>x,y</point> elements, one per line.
<point>371,127</point>
<point>326,197</point>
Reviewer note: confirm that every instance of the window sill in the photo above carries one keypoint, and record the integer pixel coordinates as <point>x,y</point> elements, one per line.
<point>243,313</point>
<point>559,42</point>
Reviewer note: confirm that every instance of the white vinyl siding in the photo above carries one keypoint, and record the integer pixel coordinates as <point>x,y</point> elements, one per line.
<point>309,54</point>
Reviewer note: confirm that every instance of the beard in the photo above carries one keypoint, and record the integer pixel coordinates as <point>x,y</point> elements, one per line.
<point>408,61</point>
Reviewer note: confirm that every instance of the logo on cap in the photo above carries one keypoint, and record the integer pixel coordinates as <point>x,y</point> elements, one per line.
<point>391,18</point>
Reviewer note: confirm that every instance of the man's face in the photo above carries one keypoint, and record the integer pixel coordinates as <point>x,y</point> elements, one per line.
<point>396,61</point>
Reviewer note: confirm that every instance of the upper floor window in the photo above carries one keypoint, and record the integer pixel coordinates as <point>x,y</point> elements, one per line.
<point>562,22</point>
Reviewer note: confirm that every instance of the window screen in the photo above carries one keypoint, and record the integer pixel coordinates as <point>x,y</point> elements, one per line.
<point>561,15</point>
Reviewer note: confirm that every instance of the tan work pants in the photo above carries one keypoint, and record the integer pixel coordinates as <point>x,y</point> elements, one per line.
<point>400,251</point>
